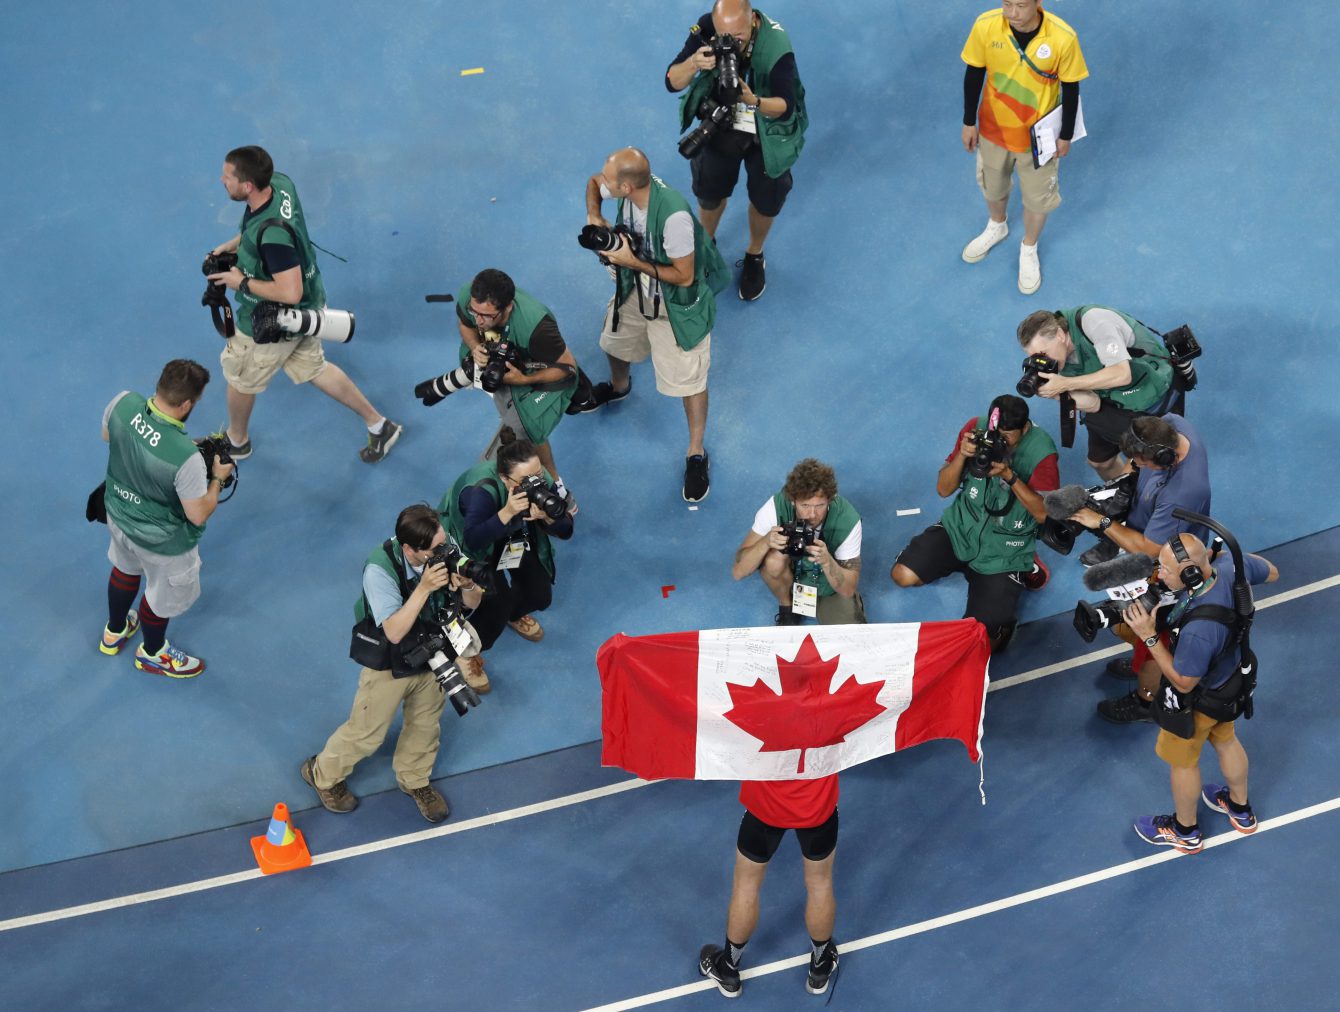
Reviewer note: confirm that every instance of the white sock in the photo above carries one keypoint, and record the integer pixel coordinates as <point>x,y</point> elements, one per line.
<point>376,430</point>
<point>1025,248</point>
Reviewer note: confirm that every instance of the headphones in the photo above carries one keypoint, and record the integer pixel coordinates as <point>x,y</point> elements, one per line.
<point>1190,573</point>
<point>1161,454</point>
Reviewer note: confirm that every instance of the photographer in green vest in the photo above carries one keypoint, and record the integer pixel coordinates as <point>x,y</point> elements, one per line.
<point>667,272</point>
<point>1112,365</point>
<point>760,123</point>
<point>533,374</point>
<point>805,543</point>
<point>276,262</point>
<point>999,467</point>
<point>158,497</point>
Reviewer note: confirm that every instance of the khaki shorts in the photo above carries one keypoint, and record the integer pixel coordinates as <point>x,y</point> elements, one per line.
<point>171,582</point>
<point>679,373</point>
<point>1184,753</point>
<point>1038,187</point>
<point>834,609</point>
<point>248,367</point>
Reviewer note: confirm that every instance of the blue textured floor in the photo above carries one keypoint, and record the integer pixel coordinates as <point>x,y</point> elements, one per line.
<point>1198,197</point>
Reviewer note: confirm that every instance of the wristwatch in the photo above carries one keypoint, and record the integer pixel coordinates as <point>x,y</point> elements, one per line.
<point>1104,523</point>
<point>245,286</point>
<point>1011,480</point>
<point>1152,641</point>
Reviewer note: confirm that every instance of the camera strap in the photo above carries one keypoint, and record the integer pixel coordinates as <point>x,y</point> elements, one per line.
<point>221,312</point>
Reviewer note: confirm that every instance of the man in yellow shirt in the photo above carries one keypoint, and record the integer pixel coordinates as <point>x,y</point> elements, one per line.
<point>1023,63</point>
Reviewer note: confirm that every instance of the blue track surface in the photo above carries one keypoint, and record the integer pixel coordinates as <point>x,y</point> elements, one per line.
<point>1198,197</point>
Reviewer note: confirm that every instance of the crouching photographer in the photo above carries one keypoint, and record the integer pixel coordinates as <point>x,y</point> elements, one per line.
<point>414,643</point>
<point>1207,673</point>
<point>503,514</point>
<point>1110,367</point>
<point>999,468</point>
<point>805,543</point>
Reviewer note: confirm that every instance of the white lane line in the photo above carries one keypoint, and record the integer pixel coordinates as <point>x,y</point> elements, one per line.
<point>981,910</point>
<point>498,818</point>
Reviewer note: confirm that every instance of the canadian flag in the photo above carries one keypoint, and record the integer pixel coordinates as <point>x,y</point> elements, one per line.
<point>788,703</point>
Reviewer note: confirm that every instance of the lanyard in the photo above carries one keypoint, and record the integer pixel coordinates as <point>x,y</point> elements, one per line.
<point>1024,56</point>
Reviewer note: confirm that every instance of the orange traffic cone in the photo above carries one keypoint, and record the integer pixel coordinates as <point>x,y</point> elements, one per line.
<point>282,848</point>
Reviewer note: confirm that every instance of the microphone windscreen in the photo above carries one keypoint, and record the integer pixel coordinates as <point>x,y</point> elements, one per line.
<point>1065,502</point>
<point>1120,571</point>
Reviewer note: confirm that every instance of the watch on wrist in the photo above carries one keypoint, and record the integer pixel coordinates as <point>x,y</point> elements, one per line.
<point>1011,479</point>
<point>1104,523</point>
<point>1152,641</point>
<point>245,286</point>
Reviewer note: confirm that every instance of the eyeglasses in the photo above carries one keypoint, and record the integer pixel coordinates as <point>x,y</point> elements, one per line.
<point>479,315</point>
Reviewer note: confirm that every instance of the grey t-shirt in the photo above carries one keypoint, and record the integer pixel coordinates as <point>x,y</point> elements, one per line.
<point>191,481</point>
<point>1111,336</point>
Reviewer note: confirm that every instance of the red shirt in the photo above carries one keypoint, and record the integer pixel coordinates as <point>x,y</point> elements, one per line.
<point>1046,477</point>
<point>791,804</point>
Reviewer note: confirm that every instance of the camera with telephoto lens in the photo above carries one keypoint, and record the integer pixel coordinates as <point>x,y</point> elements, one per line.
<point>1035,367</point>
<point>272,322</point>
<point>717,107</point>
<point>991,449</point>
<point>447,554</point>
<point>216,292</point>
<point>501,354</point>
<point>799,534</point>
<point>1090,618</point>
<point>434,651</point>
<point>1183,348</point>
<point>605,238</point>
<point>539,492</point>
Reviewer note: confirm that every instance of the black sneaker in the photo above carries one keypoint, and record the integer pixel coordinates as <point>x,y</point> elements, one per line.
<point>822,970</point>
<point>753,276</point>
<point>696,482</point>
<point>1120,667</point>
<point>379,446</point>
<point>236,452</point>
<point>712,962</point>
<point>1104,551</point>
<point>604,393</point>
<point>338,798</point>
<point>1127,709</point>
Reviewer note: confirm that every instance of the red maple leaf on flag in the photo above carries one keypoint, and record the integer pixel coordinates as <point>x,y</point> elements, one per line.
<point>805,715</point>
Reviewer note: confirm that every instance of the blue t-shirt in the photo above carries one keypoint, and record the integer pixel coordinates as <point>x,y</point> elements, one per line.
<point>1186,484</point>
<point>1200,641</point>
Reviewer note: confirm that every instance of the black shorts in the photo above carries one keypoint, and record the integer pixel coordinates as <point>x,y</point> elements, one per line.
<point>1106,427</point>
<point>758,841</point>
<point>992,599</point>
<point>717,169</point>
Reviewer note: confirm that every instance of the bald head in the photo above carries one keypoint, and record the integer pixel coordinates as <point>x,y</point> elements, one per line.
<point>733,17</point>
<point>628,167</point>
<point>1196,553</point>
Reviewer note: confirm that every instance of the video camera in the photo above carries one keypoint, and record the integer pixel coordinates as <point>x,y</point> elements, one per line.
<point>718,106</point>
<point>216,292</point>
<point>272,322</point>
<point>1126,578</point>
<point>1110,499</point>
<point>799,534</point>
<point>433,649</point>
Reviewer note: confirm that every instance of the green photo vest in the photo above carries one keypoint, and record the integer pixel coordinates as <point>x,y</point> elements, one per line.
<point>540,407</point>
<point>485,475</point>
<point>268,225</point>
<point>437,600</point>
<point>1151,372</point>
<point>842,518</point>
<point>990,529</point>
<point>781,139</point>
<point>147,450</point>
<point>691,309</point>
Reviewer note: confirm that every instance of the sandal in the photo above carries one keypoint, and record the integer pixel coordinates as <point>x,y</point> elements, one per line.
<point>528,629</point>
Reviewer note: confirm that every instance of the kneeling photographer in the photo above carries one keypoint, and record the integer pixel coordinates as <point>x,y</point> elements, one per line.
<point>1110,366</point>
<point>1207,673</point>
<point>805,543</point>
<point>415,645</point>
<point>503,513</point>
<point>511,347</point>
<point>1001,464</point>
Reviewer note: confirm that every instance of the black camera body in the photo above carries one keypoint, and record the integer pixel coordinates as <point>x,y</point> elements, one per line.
<point>799,534</point>
<point>1090,618</point>
<point>1183,348</point>
<point>605,238</point>
<point>500,353</point>
<point>454,559</point>
<point>1035,367</point>
<point>214,448</point>
<point>217,263</point>
<point>991,449</point>
<point>216,292</point>
<point>432,649</point>
<point>542,494</point>
<point>717,107</point>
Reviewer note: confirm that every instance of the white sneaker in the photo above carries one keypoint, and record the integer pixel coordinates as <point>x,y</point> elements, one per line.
<point>981,246</point>
<point>1030,271</point>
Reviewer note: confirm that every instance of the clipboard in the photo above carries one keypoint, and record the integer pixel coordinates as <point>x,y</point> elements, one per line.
<point>1042,134</point>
